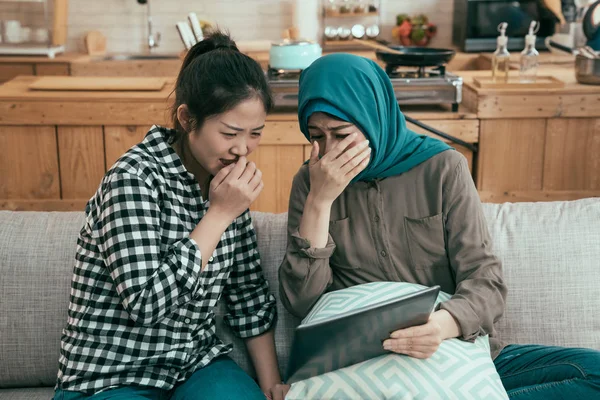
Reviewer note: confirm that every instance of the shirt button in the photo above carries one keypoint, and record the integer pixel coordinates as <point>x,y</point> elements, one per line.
<point>187,320</point>
<point>376,218</point>
<point>173,371</point>
<point>383,253</point>
<point>210,259</point>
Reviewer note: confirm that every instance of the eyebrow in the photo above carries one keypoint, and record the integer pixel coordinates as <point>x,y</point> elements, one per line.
<point>335,128</point>
<point>235,128</point>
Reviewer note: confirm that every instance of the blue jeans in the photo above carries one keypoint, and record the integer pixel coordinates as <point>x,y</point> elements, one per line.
<point>222,379</point>
<point>531,372</point>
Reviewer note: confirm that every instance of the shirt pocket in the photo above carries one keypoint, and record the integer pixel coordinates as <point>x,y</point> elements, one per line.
<point>426,241</point>
<point>345,255</point>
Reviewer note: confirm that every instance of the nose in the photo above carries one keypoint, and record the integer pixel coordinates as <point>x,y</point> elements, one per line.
<point>329,144</point>
<point>240,147</point>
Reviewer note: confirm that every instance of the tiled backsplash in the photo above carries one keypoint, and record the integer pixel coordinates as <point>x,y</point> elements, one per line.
<point>124,22</point>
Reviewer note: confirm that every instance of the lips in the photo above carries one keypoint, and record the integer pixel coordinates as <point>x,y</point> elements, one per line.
<point>227,162</point>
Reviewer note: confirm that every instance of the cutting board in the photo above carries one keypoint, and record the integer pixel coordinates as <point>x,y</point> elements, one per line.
<point>83,83</point>
<point>95,43</point>
<point>541,82</point>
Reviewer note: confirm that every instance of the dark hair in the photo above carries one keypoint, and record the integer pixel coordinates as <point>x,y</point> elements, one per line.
<point>214,78</point>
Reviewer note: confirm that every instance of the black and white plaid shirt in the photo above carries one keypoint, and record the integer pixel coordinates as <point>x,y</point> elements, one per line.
<point>141,311</point>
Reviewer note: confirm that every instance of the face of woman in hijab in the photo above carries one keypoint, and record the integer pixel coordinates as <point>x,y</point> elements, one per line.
<point>328,131</point>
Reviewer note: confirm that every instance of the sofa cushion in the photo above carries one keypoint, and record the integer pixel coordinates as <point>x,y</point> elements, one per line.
<point>457,370</point>
<point>37,251</point>
<point>27,394</point>
<point>550,253</point>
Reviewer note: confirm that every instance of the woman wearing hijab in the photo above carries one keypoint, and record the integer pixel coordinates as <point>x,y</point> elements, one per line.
<point>377,202</point>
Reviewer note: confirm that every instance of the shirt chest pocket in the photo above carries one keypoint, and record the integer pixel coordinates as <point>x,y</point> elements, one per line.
<point>426,241</point>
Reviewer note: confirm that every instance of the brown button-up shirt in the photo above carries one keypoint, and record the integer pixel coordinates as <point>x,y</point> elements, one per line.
<point>424,226</point>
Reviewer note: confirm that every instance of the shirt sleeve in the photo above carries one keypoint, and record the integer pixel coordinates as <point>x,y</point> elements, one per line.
<point>252,308</point>
<point>150,283</point>
<point>480,294</point>
<point>304,274</point>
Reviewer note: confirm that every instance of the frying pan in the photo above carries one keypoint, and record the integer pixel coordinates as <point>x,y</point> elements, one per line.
<point>396,56</point>
<point>415,56</point>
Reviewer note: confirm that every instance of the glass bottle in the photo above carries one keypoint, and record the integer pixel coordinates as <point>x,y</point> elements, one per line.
<point>529,57</point>
<point>501,57</point>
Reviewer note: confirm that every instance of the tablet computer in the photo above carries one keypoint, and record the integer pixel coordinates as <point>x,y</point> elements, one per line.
<point>355,336</point>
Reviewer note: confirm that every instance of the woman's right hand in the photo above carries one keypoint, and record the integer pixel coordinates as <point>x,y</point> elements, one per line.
<point>235,187</point>
<point>330,175</point>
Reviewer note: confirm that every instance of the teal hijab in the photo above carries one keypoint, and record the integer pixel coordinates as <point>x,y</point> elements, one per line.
<point>357,90</point>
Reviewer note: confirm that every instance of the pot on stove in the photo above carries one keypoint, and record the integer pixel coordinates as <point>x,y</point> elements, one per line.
<point>293,54</point>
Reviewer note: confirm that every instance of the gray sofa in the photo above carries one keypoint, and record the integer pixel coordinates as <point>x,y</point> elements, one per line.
<point>550,251</point>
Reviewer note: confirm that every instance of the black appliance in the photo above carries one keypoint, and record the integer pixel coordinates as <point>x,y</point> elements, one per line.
<point>476,23</point>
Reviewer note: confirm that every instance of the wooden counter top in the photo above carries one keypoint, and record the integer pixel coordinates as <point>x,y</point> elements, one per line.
<point>20,105</point>
<point>418,112</point>
<point>572,100</point>
<point>18,90</point>
<point>567,75</point>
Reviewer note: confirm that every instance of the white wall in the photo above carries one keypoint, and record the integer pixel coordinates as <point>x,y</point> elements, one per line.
<point>123,22</point>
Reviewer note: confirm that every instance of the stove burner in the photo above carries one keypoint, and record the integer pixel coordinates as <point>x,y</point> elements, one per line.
<point>412,85</point>
<point>283,74</point>
<point>394,71</point>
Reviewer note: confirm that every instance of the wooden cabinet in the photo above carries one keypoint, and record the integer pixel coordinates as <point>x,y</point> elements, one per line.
<point>54,69</point>
<point>539,159</point>
<point>10,70</point>
<point>537,145</point>
<point>59,167</point>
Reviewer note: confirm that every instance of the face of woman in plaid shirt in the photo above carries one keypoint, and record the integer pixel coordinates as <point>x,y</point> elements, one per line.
<point>224,138</point>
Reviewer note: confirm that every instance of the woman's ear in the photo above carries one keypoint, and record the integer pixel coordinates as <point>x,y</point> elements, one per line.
<point>183,116</point>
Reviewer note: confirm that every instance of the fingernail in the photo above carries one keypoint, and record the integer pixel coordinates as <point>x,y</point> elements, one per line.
<point>353,135</point>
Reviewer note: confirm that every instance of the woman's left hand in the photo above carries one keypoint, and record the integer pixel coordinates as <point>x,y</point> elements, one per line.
<point>417,341</point>
<point>278,392</point>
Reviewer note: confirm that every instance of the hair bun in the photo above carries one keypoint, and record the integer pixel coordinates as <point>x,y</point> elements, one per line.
<point>220,40</point>
<point>214,41</point>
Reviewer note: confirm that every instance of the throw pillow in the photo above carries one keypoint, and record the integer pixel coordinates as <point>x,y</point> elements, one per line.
<point>458,370</point>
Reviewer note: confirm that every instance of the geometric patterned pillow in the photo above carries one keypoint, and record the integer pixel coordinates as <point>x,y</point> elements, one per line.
<point>458,370</point>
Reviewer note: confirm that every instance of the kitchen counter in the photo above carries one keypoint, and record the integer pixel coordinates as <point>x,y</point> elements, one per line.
<point>533,144</point>
<point>90,130</point>
<point>19,105</point>
<point>572,100</point>
<point>537,144</point>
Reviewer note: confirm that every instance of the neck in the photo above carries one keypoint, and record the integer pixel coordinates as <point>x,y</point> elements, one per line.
<point>189,162</point>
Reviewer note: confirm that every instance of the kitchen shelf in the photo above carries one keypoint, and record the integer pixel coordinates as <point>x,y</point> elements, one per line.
<point>53,26</point>
<point>350,43</point>
<point>334,23</point>
<point>21,49</point>
<point>338,14</point>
